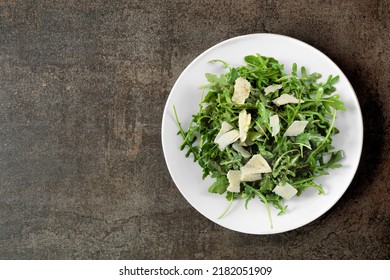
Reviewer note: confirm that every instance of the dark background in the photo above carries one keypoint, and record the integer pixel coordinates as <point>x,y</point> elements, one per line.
<point>83,86</point>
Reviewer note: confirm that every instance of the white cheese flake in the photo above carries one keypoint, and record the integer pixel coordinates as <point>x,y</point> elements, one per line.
<point>275,124</point>
<point>225,127</point>
<point>296,128</point>
<point>272,89</point>
<point>226,139</point>
<point>285,99</point>
<point>234,177</point>
<point>241,150</point>
<point>250,177</point>
<point>257,164</point>
<point>286,191</point>
<point>244,120</point>
<point>241,90</point>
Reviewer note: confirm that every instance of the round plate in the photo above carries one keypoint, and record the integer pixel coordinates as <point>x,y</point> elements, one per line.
<point>187,175</point>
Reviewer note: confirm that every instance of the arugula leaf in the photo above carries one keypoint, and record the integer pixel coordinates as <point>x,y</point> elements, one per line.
<point>220,185</point>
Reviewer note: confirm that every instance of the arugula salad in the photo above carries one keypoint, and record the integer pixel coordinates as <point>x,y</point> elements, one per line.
<point>263,133</point>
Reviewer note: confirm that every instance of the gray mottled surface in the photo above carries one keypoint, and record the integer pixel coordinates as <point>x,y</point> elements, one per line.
<point>82,91</point>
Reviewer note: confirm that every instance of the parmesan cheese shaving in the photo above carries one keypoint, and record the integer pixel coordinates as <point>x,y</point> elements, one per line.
<point>286,191</point>
<point>275,125</point>
<point>241,90</point>
<point>272,89</point>
<point>244,120</point>
<point>234,177</point>
<point>225,127</point>
<point>285,99</point>
<point>226,139</point>
<point>241,150</point>
<point>250,177</point>
<point>296,128</point>
<point>257,164</point>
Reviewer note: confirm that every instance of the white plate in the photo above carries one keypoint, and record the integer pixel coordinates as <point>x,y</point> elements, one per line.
<point>185,95</point>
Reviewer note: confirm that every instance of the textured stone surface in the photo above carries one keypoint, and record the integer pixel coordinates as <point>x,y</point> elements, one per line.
<point>82,91</point>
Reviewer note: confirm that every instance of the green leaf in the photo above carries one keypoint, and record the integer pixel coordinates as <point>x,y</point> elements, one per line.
<point>304,140</point>
<point>303,72</point>
<point>219,186</point>
<point>336,157</point>
<point>263,114</point>
<point>254,135</point>
<point>266,184</point>
<point>252,60</point>
<point>335,102</point>
<point>319,92</point>
<point>233,75</point>
<point>212,78</point>
<point>210,96</point>
<point>294,69</point>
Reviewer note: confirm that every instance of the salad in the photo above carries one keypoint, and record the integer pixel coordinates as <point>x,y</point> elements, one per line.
<point>263,133</point>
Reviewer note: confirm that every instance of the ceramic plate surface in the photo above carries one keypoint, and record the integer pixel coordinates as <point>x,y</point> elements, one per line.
<point>187,175</point>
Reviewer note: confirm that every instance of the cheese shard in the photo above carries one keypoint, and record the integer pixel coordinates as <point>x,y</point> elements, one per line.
<point>275,124</point>
<point>241,90</point>
<point>226,139</point>
<point>285,99</point>
<point>244,120</point>
<point>257,164</point>
<point>286,191</point>
<point>250,177</point>
<point>225,127</point>
<point>272,89</point>
<point>296,128</point>
<point>234,177</point>
<point>241,150</point>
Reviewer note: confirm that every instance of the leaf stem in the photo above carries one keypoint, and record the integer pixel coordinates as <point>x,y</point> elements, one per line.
<point>227,209</point>
<point>264,199</point>
<point>327,135</point>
